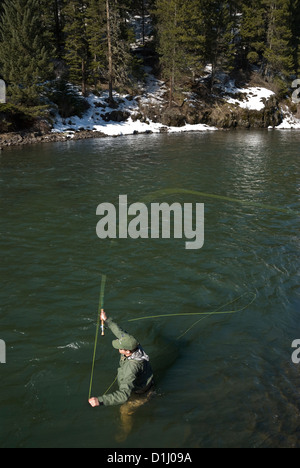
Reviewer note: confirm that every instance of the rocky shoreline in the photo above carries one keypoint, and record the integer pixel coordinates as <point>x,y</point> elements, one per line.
<point>29,138</point>
<point>219,116</point>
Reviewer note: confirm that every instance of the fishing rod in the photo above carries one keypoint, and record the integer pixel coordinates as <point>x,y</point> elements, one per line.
<point>101,303</point>
<point>100,308</point>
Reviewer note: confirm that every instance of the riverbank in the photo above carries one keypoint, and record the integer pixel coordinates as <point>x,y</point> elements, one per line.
<point>23,138</point>
<point>232,106</point>
<point>207,102</point>
<point>29,138</point>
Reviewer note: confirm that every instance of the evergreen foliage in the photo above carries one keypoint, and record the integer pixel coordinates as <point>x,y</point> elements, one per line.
<point>220,29</point>
<point>24,54</point>
<point>120,49</point>
<point>52,20</point>
<point>295,42</point>
<point>181,40</point>
<point>253,33</point>
<point>91,40</point>
<point>67,99</point>
<point>278,51</point>
<point>77,52</point>
<point>97,39</point>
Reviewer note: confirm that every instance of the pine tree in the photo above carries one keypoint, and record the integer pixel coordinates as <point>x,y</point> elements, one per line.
<point>143,9</point>
<point>295,19</point>
<point>181,39</point>
<point>97,39</point>
<point>24,56</point>
<point>278,51</point>
<point>118,49</point>
<point>193,37</point>
<point>52,17</point>
<point>140,9</point>
<point>253,32</point>
<point>109,50</point>
<point>221,26</point>
<point>108,44</point>
<point>77,53</point>
<point>168,14</point>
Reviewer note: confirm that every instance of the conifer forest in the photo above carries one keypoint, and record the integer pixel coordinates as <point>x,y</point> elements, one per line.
<point>48,44</point>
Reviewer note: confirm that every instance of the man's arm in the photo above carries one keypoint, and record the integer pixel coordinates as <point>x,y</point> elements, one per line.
<point>122,395</point>
<point>115,329</point>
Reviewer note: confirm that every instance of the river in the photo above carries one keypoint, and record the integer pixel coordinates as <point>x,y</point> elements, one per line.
<point>229,381</point>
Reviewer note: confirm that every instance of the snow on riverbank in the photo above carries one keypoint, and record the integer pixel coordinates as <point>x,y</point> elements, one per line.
<point>95,119</point>
<point>252,98</point>
<point>255,98</point>
<point>126,117</point>
<point>290,122</point>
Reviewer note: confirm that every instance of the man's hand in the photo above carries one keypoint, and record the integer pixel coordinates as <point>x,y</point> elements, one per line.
<point>94,402</point>
<point>103,315</point>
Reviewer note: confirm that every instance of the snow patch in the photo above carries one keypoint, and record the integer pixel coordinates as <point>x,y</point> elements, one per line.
<point>290,122</point>
<point>95,119</point>
<point>254,98</point>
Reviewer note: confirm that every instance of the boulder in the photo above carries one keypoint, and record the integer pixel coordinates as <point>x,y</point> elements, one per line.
<point>116,116</point>
<point>173,117</point>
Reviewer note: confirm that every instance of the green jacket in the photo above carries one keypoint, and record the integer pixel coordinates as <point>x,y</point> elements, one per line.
<point>134,374</point>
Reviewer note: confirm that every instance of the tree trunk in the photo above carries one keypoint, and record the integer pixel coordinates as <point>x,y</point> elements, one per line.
<point>172,84</point>
<point>83,79</point>
<point>110,58</point>
<point>143,16</point>
<point>58,32</point>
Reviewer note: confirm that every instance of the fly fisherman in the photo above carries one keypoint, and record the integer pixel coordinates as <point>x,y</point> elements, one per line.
<point>135,375</point>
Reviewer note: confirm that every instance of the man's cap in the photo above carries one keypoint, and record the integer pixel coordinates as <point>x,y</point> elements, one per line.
<point>126,342</point>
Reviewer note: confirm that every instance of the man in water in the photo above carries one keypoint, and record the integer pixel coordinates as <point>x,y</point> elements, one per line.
<point>135,376</point>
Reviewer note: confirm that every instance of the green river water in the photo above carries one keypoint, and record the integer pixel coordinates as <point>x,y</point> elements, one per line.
<point>228,382</point>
